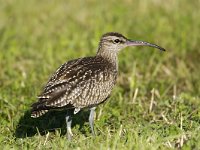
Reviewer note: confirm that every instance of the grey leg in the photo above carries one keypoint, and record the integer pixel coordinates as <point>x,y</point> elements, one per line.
<point>91,119</point>
<point>69,123</point>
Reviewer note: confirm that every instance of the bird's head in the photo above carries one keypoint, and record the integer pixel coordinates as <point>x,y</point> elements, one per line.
<point>114,42</point>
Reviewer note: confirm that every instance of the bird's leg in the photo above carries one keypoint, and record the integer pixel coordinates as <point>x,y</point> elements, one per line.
<point>69,123</point>
<point>91,119</point>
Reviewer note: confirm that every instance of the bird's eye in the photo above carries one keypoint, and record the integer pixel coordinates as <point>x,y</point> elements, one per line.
<point>116,41</point>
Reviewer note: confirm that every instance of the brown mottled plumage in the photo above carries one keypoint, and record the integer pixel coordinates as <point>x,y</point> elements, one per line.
<point>79,83</point>
<point>84,82</point>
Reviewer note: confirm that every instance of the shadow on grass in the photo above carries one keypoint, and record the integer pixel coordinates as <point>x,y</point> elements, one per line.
<point>28,127</point>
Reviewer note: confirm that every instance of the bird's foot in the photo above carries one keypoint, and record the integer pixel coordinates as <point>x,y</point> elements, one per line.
<point>91,119</point>
<point>69,134</point>
<point>69,123</point>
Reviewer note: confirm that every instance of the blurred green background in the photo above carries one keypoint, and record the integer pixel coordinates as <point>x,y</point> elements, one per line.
<point>155,104</point>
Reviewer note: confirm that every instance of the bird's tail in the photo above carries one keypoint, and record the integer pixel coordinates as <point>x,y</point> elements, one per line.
<point>38,113</point>
<point>38,109</point>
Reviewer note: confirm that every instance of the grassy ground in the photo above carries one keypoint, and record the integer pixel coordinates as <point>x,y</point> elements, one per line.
<point>156,102</point>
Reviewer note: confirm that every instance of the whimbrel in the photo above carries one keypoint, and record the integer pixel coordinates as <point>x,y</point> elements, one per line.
<point>85,82</point>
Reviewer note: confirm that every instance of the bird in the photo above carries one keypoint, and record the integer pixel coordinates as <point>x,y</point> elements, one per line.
<point>85,82</point>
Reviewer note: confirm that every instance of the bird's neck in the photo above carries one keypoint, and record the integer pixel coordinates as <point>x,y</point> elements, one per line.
<point>110,56</point>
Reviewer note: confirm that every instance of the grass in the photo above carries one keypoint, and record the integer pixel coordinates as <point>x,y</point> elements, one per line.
<point>156,102</point>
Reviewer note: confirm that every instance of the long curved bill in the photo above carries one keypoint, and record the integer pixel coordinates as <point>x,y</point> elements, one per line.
<point>142,43</point>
